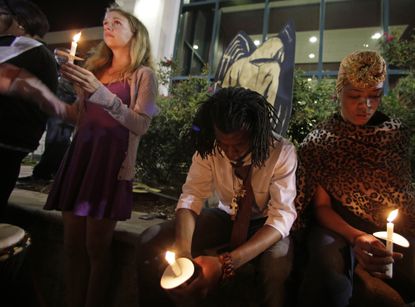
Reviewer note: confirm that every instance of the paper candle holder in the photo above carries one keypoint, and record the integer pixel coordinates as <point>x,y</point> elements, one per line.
<point>64,53</point>
<point>396,238</point>
<point>169,280</point>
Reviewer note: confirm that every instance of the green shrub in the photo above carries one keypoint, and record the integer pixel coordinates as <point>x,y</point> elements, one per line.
<point>398,52</point>
<point>165,152</point>
<point>400,103</point>
<point>313,102</point>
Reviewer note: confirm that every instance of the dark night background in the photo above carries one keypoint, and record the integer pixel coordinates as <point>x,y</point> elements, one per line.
<point>73,14</point>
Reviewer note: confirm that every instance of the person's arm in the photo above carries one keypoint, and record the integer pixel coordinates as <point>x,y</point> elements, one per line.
<point>196,189</point>
<point>370,252</point>
<point>136,120</point>
<point>15,81</point>
<point>185,226</point>
<point>329,218</point>
<point>258,243</point>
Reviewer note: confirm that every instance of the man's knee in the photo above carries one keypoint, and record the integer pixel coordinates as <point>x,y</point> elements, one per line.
<point>276,262</point>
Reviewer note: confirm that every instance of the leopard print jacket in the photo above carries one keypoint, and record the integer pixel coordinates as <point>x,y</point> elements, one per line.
<point>366,168</point>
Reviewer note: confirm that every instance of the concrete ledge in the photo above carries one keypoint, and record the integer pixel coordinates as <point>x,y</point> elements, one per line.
<point>45,257</point>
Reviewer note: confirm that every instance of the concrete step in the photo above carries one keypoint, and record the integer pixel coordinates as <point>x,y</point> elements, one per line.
<point>44,259</point>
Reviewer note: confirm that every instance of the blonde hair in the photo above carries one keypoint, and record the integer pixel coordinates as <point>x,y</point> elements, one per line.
<point>140,50</point>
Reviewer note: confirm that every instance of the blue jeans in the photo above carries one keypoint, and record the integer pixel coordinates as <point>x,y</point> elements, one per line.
<point>213,228</point>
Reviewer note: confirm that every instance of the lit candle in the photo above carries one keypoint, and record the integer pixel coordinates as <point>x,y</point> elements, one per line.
<point>171,259</point>
<point>178,272</point>
<point>389,239</point>
<point>74,45</point>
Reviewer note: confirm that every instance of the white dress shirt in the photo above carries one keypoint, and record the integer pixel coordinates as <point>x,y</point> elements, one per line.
<point>273,184</point>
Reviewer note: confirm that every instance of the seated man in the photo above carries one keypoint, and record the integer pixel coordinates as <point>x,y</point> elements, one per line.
<point>252,172</point>
<point>354,170</point>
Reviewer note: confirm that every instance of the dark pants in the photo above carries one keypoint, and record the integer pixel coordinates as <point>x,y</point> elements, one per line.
<point>10,161</point>
<point>328,273</point>
<point>213,229</point>
<point>57,141</point>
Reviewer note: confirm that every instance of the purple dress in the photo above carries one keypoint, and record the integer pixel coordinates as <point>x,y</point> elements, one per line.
<point>87,182</point>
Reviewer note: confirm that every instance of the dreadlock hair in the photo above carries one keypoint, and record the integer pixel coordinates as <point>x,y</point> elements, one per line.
<point>234,109</point>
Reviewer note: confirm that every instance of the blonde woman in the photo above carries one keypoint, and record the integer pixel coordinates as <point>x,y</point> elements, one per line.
<point>93,187</point>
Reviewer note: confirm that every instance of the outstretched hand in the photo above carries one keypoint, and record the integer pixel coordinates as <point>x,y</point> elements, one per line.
<point>373,256</point>
<point>81,77</point>
<point>208,278</point>
<point>15,81</point>
<point>8,73</point>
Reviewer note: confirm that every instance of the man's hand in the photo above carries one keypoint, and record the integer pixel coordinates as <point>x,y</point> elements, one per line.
<point>81,76</point>
<point>209,274</point>
<point>373,256</point>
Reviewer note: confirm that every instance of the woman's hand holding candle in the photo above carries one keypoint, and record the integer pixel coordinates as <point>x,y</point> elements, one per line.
<point>80,76</point>
<point>372,255</point>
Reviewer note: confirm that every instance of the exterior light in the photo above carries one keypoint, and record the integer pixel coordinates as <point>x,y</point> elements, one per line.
<point>312,39</point>
<point>377,35</point>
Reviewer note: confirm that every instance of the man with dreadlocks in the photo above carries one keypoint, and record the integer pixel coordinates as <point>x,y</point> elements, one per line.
<point>252,172</point>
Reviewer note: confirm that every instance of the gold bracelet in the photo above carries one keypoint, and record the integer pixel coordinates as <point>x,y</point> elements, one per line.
<point>228,270</point>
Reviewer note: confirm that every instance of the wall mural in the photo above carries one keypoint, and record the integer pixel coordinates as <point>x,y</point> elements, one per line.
<point>267,69</point>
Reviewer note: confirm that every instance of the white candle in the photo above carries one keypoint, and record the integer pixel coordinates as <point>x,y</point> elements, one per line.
<point>389,239</point>
<point>74,45</point>
<point>171,259</point>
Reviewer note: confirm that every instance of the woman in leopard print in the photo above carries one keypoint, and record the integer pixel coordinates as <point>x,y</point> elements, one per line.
<point>354,170</point>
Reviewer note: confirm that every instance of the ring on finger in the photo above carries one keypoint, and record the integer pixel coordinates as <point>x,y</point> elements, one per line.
<point>368,253</point>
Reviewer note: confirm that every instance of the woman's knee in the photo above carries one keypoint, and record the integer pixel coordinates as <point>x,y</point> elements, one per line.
<point>327,251</point>
<point>99,234</point>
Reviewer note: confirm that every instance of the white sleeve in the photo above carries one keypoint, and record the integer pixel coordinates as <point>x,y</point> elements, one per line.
<point>198,185</point>
<point>281,209</point>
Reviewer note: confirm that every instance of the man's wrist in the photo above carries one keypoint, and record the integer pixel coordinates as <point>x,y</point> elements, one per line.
<point>228,268</point>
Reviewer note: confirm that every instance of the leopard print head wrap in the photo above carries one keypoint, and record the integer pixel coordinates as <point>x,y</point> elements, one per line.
<point>362,69</point>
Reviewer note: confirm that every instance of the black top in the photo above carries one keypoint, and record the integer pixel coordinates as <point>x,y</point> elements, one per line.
<point>22,123</point>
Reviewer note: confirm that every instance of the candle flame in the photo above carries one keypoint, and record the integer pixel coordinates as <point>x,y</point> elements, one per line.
<point>76,37</point>
<point>170,257</point>
<point>392,215</point>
